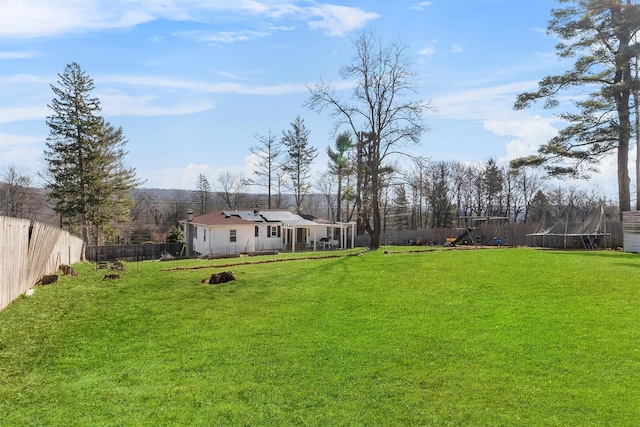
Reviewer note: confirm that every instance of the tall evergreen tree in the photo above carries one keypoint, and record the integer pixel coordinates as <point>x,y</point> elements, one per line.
<point>111,199</point>
<point>493,181</point>
<point>202,194</point>
<point>338,165</point>
<point>601,35</point>
<point>85,173</point>
<point>440,194</point>
<point>300,155</point>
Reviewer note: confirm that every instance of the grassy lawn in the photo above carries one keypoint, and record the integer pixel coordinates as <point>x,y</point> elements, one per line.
<point>500,337</point>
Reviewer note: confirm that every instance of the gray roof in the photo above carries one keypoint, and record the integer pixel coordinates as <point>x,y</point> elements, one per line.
<point>288,219</point>
<point>246,215</point>
<point>280,216</point>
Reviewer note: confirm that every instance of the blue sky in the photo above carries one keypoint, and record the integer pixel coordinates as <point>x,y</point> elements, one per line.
<point>192,82</point>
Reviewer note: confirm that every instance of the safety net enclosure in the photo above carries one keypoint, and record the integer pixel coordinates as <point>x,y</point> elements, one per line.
<point>572,230</point>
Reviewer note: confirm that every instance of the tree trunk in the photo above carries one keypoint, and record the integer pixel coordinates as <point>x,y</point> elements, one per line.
<point>622,96</point>
<point>374,168</point>
<point>360,223</point>
<point>636,98</point>
<point>624,193</point>
<point>338,202</point>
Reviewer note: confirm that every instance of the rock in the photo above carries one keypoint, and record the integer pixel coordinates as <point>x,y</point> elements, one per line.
<point>48,279</point>
<point>67,270</point>
<point>225,276</point>
<point>118,265</point>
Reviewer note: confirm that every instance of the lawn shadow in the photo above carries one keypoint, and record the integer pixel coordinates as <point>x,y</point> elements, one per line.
<point>595,253</point>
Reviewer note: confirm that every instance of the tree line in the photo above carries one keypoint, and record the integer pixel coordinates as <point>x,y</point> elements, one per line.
<point>90,188</point>
<point>423,195</point>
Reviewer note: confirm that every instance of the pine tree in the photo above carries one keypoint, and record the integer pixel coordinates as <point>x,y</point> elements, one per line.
<point>202,195</point>
<point>85,172</point>
<point>601,36</point>
<point>299,157</point>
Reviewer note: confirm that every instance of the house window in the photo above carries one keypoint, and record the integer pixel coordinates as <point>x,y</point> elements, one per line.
<point>195,232</point>
<point>256,231</point>
<point>204,235</point>
<point>232,236</point>
<point>274,231</point>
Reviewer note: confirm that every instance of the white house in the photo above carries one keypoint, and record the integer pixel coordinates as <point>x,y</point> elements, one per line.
<point>230,232</point>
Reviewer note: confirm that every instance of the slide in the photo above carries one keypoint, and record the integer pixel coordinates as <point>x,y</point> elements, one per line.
<point>465,238</point>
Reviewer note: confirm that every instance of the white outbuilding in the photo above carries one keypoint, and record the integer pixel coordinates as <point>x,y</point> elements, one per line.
<point>631,230</point>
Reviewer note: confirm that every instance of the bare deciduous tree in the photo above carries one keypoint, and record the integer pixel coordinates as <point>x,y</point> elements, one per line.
<point>378,110</point>
<point>233,189</point>
<point>268,165</point>
<point>15,187</point>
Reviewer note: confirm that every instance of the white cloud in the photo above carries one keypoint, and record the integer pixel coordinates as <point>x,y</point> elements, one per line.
<point>456,48</point>
<point>485,103</point>
<point>18,79</point>
<point>250,162</point>
<point>338,20</point>
<point>21,19</point>
<point>421,6</point>
<point>606,178</point>
<point>172,178</point>
<point>19,114</point>
<point>530,132</point>
<point>202,87</point>
<point>18,54</point>
<point>223,36</point>
<point>21,151</point>
<point>24,151</point>
<point>30,19</point>
<point>427,50</point>
<point>115,103</point>
<point>10,140</point>
<point>187,176</point>
<point>493,107</point>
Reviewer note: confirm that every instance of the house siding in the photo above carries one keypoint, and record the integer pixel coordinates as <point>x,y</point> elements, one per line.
<point>209,234</point>
<point>265,241</point>
<point>218,240</point>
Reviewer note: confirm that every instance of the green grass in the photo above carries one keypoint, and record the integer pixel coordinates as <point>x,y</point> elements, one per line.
<point>507,337</point>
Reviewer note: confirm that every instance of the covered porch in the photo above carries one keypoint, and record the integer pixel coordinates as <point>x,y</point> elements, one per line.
<point>304,234</point>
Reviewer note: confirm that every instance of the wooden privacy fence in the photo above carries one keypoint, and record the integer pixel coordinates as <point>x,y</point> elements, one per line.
<point>29,250</point>
<point>509,234</point>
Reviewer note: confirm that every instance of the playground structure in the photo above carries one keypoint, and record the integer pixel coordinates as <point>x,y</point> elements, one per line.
<point>572,230</point>
<point>481,231</point>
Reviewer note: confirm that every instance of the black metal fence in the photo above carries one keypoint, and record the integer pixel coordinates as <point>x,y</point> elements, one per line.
<point>133,252</point>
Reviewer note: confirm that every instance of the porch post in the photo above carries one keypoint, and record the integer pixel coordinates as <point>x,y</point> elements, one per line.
<point>353,235</point>
<point>285,230</point>
<point>315,239</point>
<point>294,237</point>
